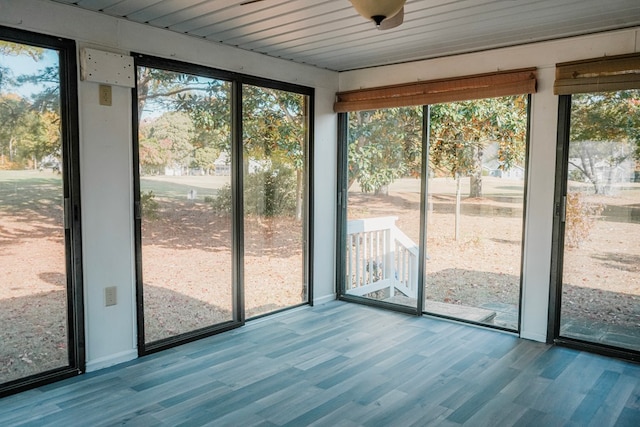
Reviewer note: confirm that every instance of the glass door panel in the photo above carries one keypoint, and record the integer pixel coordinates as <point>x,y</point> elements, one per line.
<point>600,300</point>
<point>475,208</point>
<point>275,138</point>
<point>184,152</point>
<point>384,170</point>
<point>34,337</point>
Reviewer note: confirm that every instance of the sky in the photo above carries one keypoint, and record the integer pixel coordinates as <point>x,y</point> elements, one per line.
<point>24,64</point>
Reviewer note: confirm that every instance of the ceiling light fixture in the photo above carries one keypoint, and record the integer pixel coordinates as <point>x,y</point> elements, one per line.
<point>378,10</point>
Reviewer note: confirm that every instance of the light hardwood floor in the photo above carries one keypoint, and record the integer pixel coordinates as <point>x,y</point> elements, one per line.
<point>342,364</point>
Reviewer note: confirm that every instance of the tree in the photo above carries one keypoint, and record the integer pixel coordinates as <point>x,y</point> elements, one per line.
<point>26,136</point>
<point>384,145</point>
<point>460,132</point>
<point>166,142</point>
<point>205,101</point>
<point>605,132</point>
<point>275,130</point>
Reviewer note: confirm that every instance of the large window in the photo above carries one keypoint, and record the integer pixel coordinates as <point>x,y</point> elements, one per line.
<point>475,210</point>
<point>275,143</point>
<point>595,294</point>
<point>600,255</point>
<point>433,215</point>
<point>40,270</point>
<point>383,173</point>
<point>221,199</point>
<point>184,171</point>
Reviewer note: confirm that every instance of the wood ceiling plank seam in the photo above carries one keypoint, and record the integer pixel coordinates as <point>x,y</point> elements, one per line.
<point>223,15</point>
<point>161,9</point>
<point>292,31</point>
<point>247,23</point>
<point>264,31</point>
<point>96,5</point>
<point>124,8</point>
<point>198,9</point>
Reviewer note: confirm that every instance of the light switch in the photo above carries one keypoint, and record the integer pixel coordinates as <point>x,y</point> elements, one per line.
<point>105,95</point>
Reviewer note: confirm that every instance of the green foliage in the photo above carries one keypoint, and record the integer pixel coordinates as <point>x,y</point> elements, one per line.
<point>149,204</point>
<point>166,142</point>
<point>270,192</point>
<point>460,130</point>
<point>581,216</point>
<point>30,130</point>
<point>274,125</point>
<point>384,145</point>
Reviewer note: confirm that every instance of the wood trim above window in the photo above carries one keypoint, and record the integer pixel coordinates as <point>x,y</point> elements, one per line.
<point>489,85</point>
<point>609,73</point>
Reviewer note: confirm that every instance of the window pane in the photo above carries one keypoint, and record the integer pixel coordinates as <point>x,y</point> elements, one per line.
<point>185,191</point>
<point>475,210</point>
<point>383,204</point>
<point>33,280</point>
<point>275,132</point>
<point>601,266</point>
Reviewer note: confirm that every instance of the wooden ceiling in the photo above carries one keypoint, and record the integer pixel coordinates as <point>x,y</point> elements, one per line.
<point>330,34</point>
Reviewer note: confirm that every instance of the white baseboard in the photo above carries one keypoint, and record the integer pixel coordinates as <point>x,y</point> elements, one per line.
<point>114,359</point>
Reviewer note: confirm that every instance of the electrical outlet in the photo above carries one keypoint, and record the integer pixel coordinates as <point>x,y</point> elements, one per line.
<point>110,296</point>
<point>105,95</point>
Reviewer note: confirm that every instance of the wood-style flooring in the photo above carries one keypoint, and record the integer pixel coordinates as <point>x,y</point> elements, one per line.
<point>342,364</point>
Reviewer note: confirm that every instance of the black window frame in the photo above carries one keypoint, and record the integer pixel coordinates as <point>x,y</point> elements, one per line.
<point>237,81</point>
<point>557,248</point>
<point>341,216</point>
<point>67,51</point>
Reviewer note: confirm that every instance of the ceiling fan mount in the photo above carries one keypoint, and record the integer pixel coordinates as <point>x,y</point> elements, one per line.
<point>386,14</point>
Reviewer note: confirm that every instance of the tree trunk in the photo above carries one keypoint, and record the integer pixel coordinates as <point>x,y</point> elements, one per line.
<point>299,194</point>
<point>458,191</point>
<point>475,179</point>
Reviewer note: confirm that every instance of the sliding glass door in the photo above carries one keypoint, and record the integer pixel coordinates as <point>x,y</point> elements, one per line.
<point>40,264</point>
<point>275,143</point>
<point>185,274</point>
<point>475,210</point>
<point>433,214</point>
<point>599,207</point>
<point>221,199</point>
<point>383,206</point>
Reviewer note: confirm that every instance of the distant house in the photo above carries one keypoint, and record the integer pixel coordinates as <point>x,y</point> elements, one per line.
<point>492,168</point>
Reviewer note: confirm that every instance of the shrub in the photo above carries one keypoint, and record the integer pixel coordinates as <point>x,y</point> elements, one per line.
<point>270,192</point>
<point>149,205</point>
<point>581,216</point>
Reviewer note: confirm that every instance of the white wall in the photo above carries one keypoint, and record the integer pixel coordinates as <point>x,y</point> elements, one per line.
<point>539,215</point>
<point>106,159</point>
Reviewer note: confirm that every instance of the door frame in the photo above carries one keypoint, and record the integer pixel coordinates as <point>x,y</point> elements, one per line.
<point>72,214</point>
<point>237,81</point>
<point>341,217</point>
<point>557,248</point>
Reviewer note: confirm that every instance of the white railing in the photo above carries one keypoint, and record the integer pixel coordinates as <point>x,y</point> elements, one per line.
<point>380,256</point>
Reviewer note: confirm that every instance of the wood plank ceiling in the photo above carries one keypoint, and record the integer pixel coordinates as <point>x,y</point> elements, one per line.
<point>330,34</point>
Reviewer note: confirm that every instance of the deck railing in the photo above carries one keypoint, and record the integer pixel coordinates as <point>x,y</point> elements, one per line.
<point>380,256</point>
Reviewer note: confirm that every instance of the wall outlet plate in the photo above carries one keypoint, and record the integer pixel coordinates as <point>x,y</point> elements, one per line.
<point>105,95</point>
<point>110,296</point>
